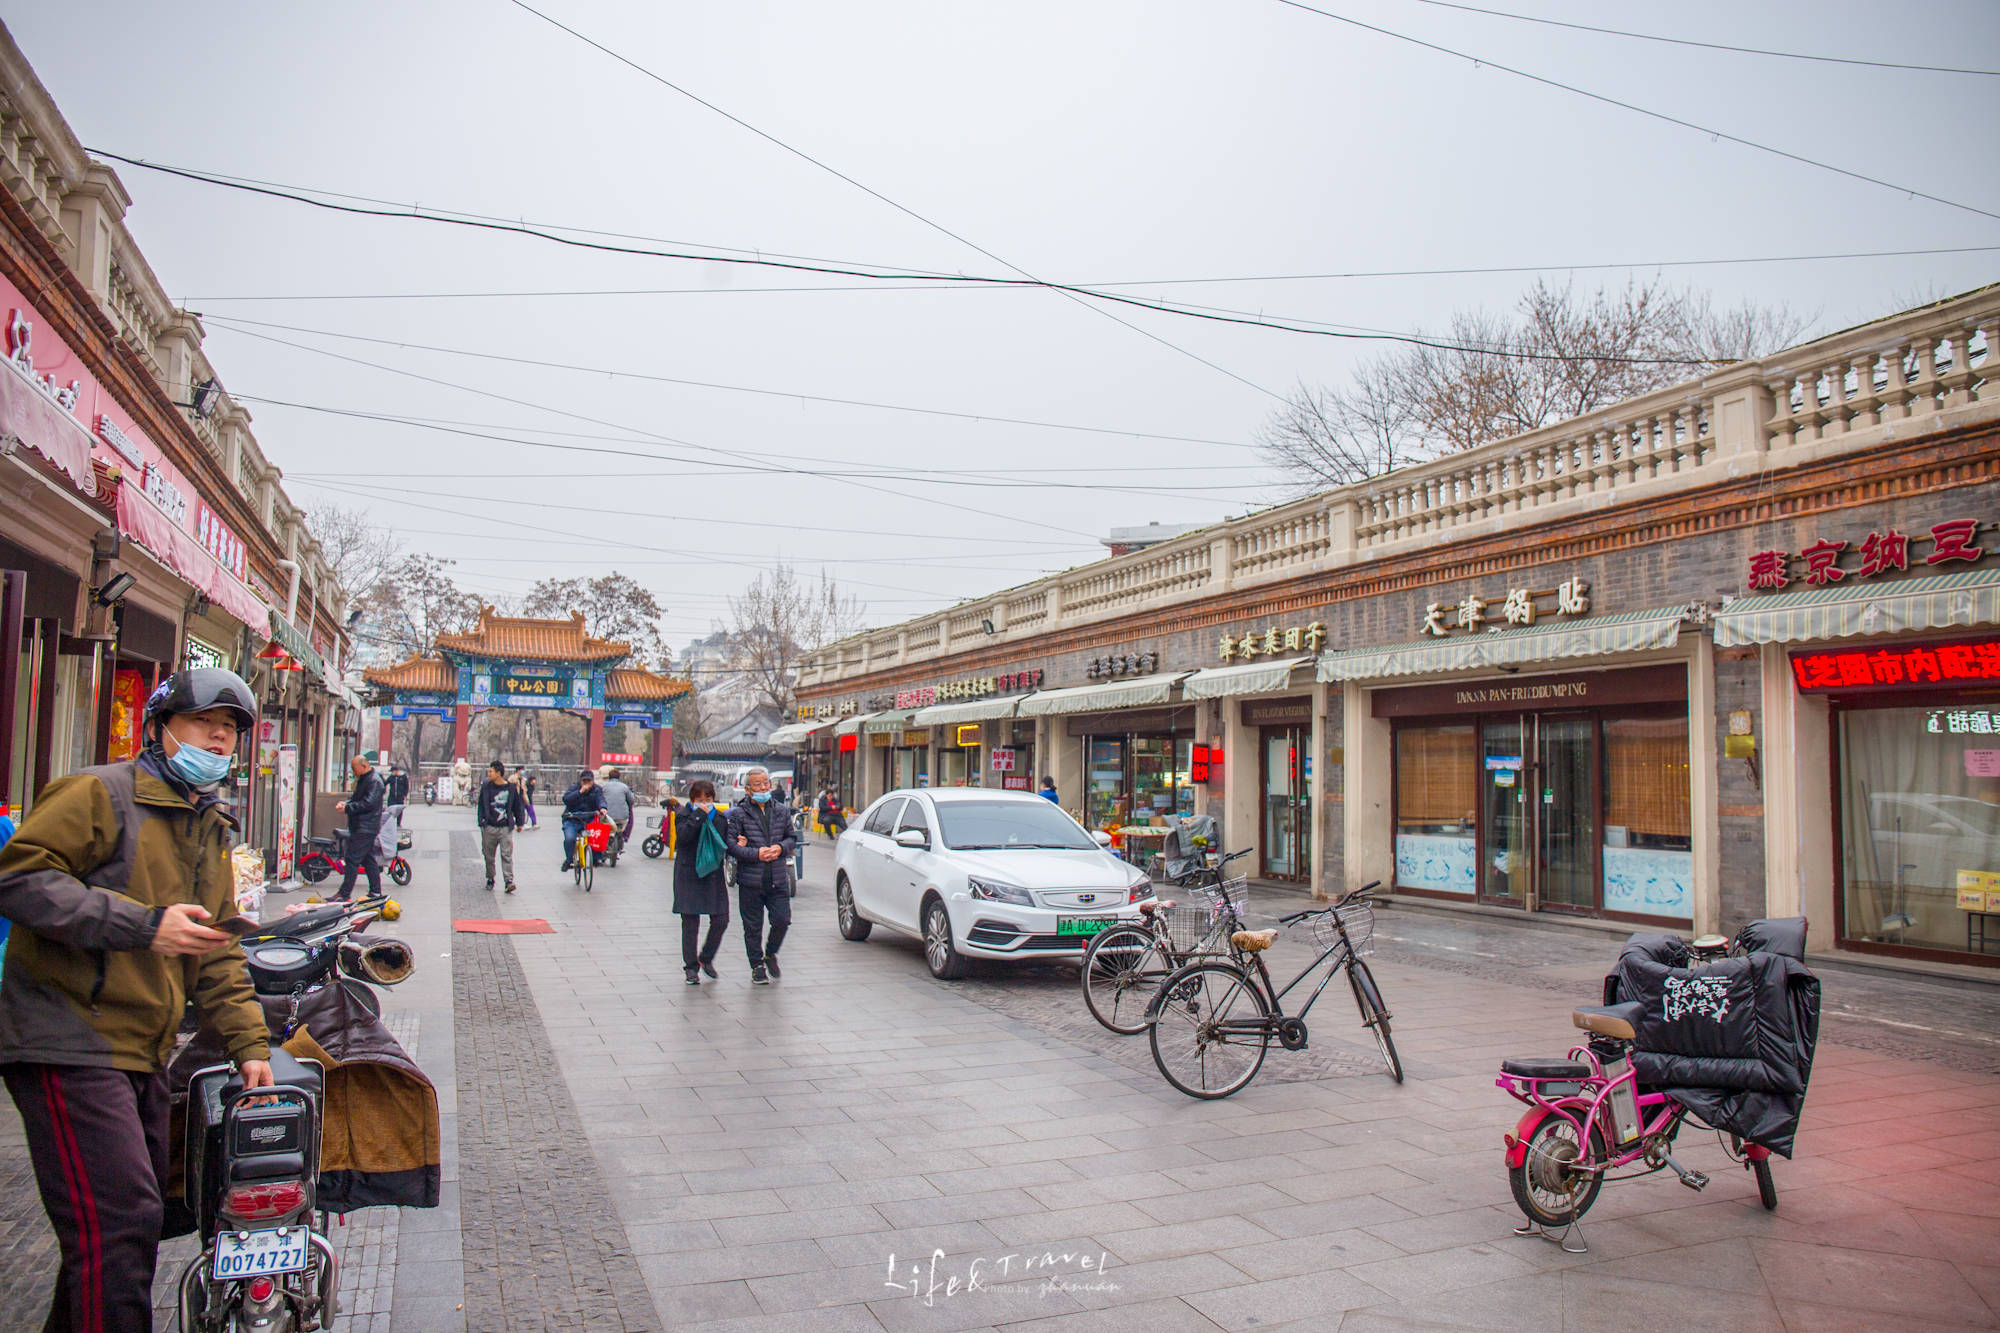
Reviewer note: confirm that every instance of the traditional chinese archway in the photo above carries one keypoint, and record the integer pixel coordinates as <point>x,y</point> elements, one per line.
<point>515,662</point>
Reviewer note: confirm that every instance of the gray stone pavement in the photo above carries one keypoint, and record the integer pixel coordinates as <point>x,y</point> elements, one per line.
<point>830,1152</point>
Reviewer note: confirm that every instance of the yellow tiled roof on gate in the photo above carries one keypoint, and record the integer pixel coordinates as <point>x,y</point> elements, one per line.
<point>519,638</point>
<point>627,683</point>
<point>418,673</point>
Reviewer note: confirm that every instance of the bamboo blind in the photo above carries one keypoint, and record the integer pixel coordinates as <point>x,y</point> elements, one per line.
<point>1437,775</point>
<point>1646,779</point>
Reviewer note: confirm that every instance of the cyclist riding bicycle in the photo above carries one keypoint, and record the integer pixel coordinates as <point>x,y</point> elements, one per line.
<point>618,803</point>
<point>584,799</point>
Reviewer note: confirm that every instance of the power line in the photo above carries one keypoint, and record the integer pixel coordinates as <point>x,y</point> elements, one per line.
<point>1710,46</point>
<point>875,194</point>
<point>979,285</point>
<point>1644,111</point>
<point>727,388</point>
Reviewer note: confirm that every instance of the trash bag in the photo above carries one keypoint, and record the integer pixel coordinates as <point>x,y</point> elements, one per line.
<point>1731,1039</point>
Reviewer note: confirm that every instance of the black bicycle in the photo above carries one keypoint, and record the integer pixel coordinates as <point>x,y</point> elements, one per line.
<point>1215,1018</point>
<point>1124,966</point>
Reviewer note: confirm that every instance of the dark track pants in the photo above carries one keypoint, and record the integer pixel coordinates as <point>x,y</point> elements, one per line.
<point>753,904</point>
<point>98,1139</point>
<point>369,863</point>
<point>691,936</point>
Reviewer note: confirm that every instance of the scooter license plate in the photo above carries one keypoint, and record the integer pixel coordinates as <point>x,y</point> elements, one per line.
<point>1083,925</point>
<point>241,1254</point>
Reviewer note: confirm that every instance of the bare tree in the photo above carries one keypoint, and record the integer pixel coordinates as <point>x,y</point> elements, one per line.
<point>614,607</point>
<point>777,621</point>
<point>413,603</point>
<point>1492,376</point>
<point>359,550</point>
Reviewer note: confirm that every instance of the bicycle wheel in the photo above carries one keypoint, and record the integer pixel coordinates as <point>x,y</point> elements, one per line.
<point>582,859</point>
<point>1122,972</point>
<point>1194,1052</point>
<point>1547,1188</point>
<point>1374,1014</point>
<point>1767,1188</point>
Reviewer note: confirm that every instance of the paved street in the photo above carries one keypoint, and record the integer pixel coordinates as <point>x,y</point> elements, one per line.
<point>829,1153</point>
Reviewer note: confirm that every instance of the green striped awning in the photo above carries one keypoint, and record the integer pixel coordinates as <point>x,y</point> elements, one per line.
<point>895,720</point>
<point>1249,678</point>
<point>793,733</point>
<point>1592,636</point>
<point>1134,693</point>
<point>1940,601</point>
<point>971,710</point>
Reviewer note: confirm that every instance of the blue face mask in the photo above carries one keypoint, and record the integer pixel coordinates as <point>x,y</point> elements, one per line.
<point>760,796</point>
<point>198,767</point>
<point>704,806</point>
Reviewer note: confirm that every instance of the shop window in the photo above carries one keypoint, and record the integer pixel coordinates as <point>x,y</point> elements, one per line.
<point>1106,803</point>
<point>1437,793</point>
<point>1648,829</point>
<point>1920,827</point>
<point>1159,777</point>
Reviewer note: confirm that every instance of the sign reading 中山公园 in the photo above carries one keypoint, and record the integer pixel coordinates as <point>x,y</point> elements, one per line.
<point>1819,564</point>
<point>530,687</point>
<point>1517,607</point>
<point>1272,641</point>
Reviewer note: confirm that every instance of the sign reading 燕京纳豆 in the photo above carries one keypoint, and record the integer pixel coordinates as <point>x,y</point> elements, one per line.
<point>1516,608</point>
<point>1820,564</point>
<point>1821,671</point>
<point>1271,641</point>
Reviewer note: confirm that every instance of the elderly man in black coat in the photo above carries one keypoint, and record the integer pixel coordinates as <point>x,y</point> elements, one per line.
<point>697,895</point>
<point>363,808</point>
<point>762,838</point>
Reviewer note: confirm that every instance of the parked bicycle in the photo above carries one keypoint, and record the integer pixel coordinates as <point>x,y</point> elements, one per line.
<point>1214,1019</point>
<point>1590,1116</point>
<point>1124,966</point>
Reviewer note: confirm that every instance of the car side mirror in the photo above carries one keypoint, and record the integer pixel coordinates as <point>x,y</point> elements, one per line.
<point>913,837</point>
<point>1100,837</point>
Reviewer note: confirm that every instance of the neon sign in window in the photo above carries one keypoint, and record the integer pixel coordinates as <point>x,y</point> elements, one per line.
<point>1825,671</point>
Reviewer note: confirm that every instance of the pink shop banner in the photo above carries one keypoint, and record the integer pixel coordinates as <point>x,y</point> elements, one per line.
<point>141,520</point>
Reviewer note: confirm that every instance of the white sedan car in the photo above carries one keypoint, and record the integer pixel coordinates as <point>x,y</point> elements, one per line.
<point>980,874</point>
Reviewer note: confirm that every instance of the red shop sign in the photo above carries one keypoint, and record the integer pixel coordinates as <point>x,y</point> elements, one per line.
<point>1830,671</point>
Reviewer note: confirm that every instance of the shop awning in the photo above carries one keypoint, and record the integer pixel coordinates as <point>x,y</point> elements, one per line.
<point>1941,601</point>
<point>971,710</point>
<point>893,720</point>
<point>794,732</point>
<point>27,414</point>
<point>1634,631</point>
<point>1249,678</point>
<point>1135,693</point>
<point>851,726</point>
<point>167,542</point>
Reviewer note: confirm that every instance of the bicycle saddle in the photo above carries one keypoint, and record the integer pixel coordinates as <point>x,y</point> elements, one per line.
<point>1253,941</point>
<point>1617,1021</point>
<point>1163,905</point>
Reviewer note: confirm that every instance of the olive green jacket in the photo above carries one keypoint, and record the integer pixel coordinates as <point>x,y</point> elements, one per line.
<point>85,880</point>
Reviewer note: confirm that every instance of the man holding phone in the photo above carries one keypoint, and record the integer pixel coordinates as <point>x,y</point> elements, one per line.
<point>115,883</point>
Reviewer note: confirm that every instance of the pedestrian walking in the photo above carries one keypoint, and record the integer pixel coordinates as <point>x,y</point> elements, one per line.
<point>528,794</point>
<point>97,980</point>
<point>618,804</point>
<point>762,839</point>
<point>499,814</point>
<point>1048,792</point>
<point>580,802</point>
<point>363,808</point>
<point>701,886</point>
<point>395,795</point>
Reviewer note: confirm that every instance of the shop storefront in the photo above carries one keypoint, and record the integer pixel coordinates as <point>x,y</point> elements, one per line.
<point>1284,732</point>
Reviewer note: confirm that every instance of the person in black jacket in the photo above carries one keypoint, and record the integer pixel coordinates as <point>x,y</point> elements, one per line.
<point>695,895</point>
<point>580,802</point>
<point>395,795</point>
<point>762,839</point>
<point>363,808</point>
<point>498,809</point>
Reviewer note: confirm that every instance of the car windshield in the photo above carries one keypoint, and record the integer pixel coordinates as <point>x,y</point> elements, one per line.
<point>997,825</point>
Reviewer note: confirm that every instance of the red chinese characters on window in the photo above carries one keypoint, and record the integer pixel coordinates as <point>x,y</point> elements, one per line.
<point>1954,541</point>
<point>1823,563</point>
<point>1865,668</point>
<point>1769,569</point>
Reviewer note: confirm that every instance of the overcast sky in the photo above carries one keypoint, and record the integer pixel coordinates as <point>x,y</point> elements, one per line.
<point>1085,141</point>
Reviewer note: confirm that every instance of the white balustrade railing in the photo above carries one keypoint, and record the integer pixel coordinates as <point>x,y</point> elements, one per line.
<point>1903,369</point>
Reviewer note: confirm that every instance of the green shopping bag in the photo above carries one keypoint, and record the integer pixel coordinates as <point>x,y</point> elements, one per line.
<point>711,850</point>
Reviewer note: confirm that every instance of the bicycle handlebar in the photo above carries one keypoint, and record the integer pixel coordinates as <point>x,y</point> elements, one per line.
<point>1344,900</point>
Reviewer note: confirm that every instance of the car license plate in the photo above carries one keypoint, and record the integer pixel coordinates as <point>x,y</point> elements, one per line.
<point>241,1254</point>
<point>1083,925</point>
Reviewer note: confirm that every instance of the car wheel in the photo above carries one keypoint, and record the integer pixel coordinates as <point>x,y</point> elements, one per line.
<point>853,926</point>
<point>940,953</point>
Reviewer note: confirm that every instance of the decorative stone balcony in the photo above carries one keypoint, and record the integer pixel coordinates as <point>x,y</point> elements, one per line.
<point>1922,370</point>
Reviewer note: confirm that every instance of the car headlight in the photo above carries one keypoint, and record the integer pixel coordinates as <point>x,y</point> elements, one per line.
<point>1141,887</point>
<point>993,891</point>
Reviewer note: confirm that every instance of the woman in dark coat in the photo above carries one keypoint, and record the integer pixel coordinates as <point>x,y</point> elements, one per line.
<point>698,896</point>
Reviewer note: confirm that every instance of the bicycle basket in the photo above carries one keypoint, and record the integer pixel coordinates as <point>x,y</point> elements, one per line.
<point>1191,929</point>
<point>1360,922</point>
<point>1231,897</point>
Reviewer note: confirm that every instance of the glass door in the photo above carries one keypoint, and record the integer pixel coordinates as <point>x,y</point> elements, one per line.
<point>1565,801</point>
<point>1505,801</point>
<point>1287,804</point>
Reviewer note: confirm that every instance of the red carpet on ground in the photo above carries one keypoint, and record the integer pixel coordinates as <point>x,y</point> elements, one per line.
<point>530,925</point>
